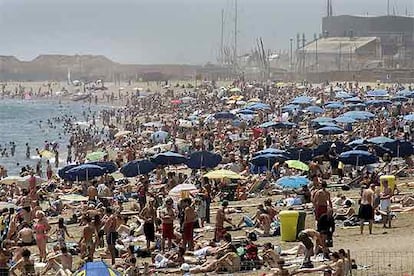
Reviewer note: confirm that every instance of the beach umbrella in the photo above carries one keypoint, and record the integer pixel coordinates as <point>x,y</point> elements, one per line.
<point>12,179</point>
<point>302,100</point>
<point>290,107</point>
<point>268,159</point>
<point>222,174</point>
<point>379,150</point>
<point>73,197</point>
<point>268,124</point>
<point>153,124</point>
<point>46,154</point>
<point>259,106</point>
<point>168,158</point>
<point>296,164</point>
<point>284,125</point>
<point>292,182</point>
<point>96,155</point>
<point>246,111</point>
<point>342,95</point>
<point>324,148</point>
<point>399,99</point>
<point>359,115</point>
<point>380,140</point>
<point>334,105</point>
<point>270,151</point>
<point>137,167</point>
<point>353,100</point>
<point>314,109</point>
<point>345,120</point>
<point>356,142</point>
<point>357,158</point>
<point>302,154</point>
<point>322,119</point>
<point>330,130</point>
<point>225,115</point>
<point>61,172</point>
<point>108,166</point>
<point>203,159</point>
<point>324,124</point>
<point>122,133</point>
<point>84,172</point>
<point>378,103</point>
<point>177,190</point>
<point>97,268</point>
<point>356,105</point>
<point>400,148</point>
<point>235,90</point>
<point>159,136</point>
<point>409,117</point>
<point>377,93</point>
<point>405,93</point>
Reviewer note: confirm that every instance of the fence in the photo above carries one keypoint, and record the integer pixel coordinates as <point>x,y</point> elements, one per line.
<point>384,263</point>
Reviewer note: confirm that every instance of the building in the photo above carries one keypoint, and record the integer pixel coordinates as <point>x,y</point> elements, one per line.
<point>396,34</point>
<point>339,54</point>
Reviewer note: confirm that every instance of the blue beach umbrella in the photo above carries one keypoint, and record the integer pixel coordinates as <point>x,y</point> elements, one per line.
<point>203,159</point>
<point>62,171</point>
<point>168,158</point>
<point>268,159</point>
<point>400,148</point>
<point>379,150</point>
<point>108,166</point>
<point>380,140</point>
<point>159,136</point>
<point>409,117</point>
<point>84,172</point>
<point>330,130</point>
<point>137,167</point>
<point>334,105</point>
<point>271,151</point>
<point>378,103</point>
<point>359,115</point>
<point>259,106</point>
<point>353,100</point>
<point>345,120</point>
<point>406,93</point>
<point>358,158</point>
<point>356,105</point>
<point>342,95</point>
<point>314,109</point>
<point>322,119</point>
<point>290,107</point>
<point>399,99</point>
<point>302,100</point>
<point>246,111</point>
<point>357,142</point>
<point>225,115</point>
<point>97,268</point>
<point>377,93</point>
<point>301,154</point>
<point>292,182</point>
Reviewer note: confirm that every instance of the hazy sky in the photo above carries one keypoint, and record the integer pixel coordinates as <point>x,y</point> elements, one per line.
<point>163,31</point>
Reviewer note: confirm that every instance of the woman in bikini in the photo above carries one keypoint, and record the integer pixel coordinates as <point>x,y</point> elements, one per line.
<point>41,228</point>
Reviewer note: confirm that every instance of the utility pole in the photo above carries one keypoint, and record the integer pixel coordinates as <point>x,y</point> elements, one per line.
<point>235,34</point>
<point>222,38</point>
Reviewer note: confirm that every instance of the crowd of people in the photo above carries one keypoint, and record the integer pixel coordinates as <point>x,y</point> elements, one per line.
<point>125,219</point>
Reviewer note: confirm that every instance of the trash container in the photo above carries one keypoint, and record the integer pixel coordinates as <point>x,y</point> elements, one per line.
<point>387,178</point>
<point>288,225</point>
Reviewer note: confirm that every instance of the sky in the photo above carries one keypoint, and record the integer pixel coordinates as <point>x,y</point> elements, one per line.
<point>164,31</point>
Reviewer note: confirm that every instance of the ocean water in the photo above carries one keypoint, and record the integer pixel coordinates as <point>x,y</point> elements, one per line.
<point>19,122</point>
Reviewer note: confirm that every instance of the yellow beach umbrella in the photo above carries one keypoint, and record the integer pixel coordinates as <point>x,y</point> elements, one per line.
<point>221,174</point>
<point>46,154</point>
<point>296,164</point>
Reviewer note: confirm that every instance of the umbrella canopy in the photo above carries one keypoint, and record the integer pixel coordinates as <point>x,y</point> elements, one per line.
<point>377,93</point>
<point>267,160</point>
<point>153,124</point>
<point>270,151</point>
<point>290,107</point>
<point>296,164</point>
<point>181,188</point>
<point>345,120</point>
<point>357,158</point>
<point>342,95</point>
<point>9,180</point>
<point>292,182</point>
<point>235,90</point>
<point>74,197</point>
<point>223,174</point>
<point>98,268</point>
<point>108,166</point>
<point>357,142</point>
<point>379,150</point>
<point>334,105</point>
<point>380,140</point>
<point>409,117</point>
<point>302,154</point>
<point>406,93</point>
<point>322,119</point>
<point>96,155</point>
<point>61,172</point>
<point>84,172</point>
<point>399,99</point>
<point>246,111</point>
<point>122,133</point>
<point>378,103</point>
<point>137,167</point>
<point>314,109</point>
<point>359,115</point>
<point>203,159</point>
<point>224,116</point>
<point>278,125</point>
<point>330,130</point>
<point>168,158</point>
<point>259,106</point>
<point>302,100</point>
<point>400,148</point>
<point>159,136</point>
<point>353,100</point>
<point>46,154</point>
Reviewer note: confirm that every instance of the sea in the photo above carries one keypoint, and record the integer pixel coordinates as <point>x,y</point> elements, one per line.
<point>20,122</point>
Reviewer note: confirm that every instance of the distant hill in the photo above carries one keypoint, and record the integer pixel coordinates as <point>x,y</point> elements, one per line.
<point>87,67</point>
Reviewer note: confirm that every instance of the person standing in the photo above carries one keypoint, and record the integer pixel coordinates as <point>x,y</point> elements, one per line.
<point>149,214</point>
<point>111,233</point>
<point>321,201</point>
<point>87,243</point>
<point>167,216</point>
<point>366,210</point>
<point>385,203</point>
<point>220,231</point>
<point>188,225</point>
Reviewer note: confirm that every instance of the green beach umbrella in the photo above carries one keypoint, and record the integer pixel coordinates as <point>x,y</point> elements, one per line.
<point>96,155</point>
<point>296,164</point>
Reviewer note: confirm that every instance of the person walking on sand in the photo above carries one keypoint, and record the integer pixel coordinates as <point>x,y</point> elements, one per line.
<point>220,231</point>
<point>188,227</point>
<point>366,210</point>
<point>321,201</point>
<point>149,214</point>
